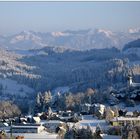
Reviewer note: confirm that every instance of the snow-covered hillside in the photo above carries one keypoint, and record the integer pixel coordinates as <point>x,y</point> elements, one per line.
<point>81,39</point>
<point>11,87</point>
<point>10,65</point>
<point>51,67</point>
<point>60,69</point>
<point>76,68</point>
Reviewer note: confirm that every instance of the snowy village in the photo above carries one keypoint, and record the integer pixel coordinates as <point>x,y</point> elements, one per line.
<point>80,119</point>
<point>69,69</point>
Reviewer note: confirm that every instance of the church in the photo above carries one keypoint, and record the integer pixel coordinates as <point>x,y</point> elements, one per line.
<point>131,83</point>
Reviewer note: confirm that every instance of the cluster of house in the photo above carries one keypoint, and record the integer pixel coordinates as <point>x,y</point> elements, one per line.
<point>21,125</point>
<point>34,124</point>
<point>122,118</point>
<point>53,121</point>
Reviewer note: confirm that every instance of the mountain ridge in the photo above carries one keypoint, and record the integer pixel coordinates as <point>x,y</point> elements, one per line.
<point>73,39</point>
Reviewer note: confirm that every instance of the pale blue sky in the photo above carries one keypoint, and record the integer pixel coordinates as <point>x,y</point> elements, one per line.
<point>59,16</point>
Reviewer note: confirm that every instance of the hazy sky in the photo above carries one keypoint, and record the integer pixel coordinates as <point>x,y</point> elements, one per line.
<point>59,16</point>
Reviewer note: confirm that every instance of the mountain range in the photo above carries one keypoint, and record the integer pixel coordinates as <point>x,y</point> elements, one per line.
<point>77,40</point>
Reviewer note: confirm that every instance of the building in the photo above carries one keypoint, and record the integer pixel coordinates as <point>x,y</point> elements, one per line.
<point>99,110</point>
<point>85,108</point>
<point>121,121</point>
<point>36,120</point>
<point>65,116</point>
<point>131,83</point>
<point>28,128</point>
<point>129,114</point>
<point>51,125</point>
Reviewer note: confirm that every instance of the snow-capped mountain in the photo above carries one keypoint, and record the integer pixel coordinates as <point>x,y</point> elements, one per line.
<point>135,30</point>
<point>81,39</point>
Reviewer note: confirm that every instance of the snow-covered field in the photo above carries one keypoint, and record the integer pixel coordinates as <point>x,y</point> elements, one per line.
<point>89,120</point>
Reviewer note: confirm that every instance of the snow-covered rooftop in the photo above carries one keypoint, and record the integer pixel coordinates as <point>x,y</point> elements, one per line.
<point>126,119</point>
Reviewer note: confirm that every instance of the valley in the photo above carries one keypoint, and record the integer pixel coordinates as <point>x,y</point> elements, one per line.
<point>46,81</point>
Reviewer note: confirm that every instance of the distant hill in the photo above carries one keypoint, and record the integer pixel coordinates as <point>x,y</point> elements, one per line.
<point>132,45</point>
<point>132,50</point>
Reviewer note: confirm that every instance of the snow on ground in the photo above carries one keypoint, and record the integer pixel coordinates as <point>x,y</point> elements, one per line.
<point>42,135</point>
<point>12,87</point>
<point>88,120</point>
<point>105,136</point>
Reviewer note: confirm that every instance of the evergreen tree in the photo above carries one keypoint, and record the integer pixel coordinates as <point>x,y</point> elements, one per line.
<point>98,131</point>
